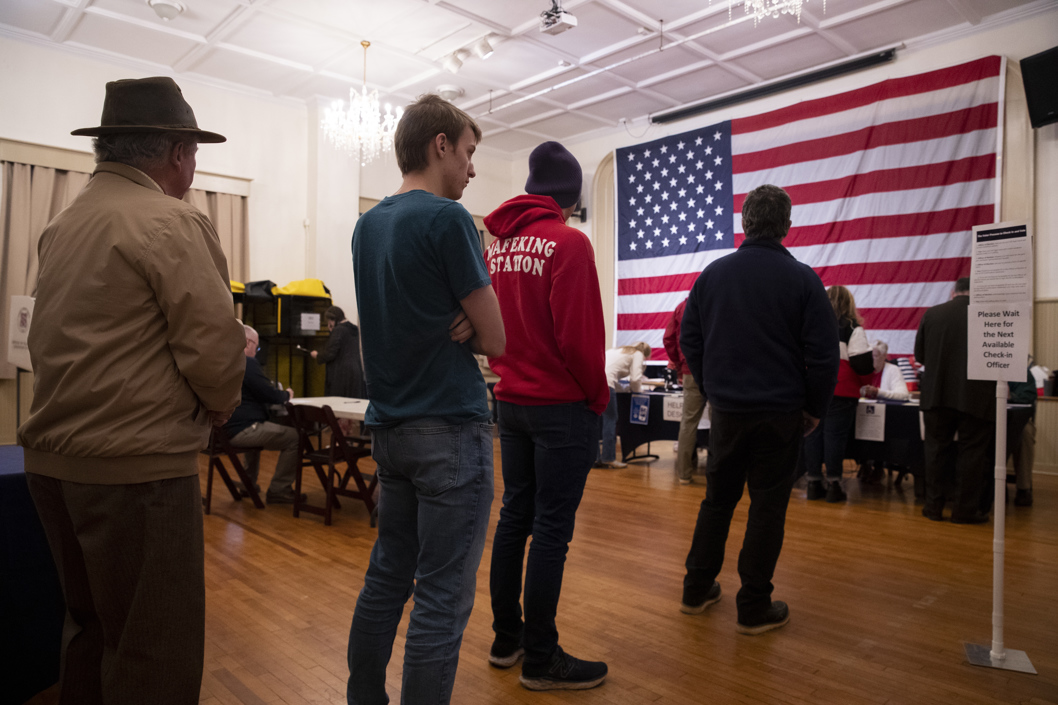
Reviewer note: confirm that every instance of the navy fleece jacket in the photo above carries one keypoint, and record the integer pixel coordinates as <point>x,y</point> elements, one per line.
<point>759,334</point>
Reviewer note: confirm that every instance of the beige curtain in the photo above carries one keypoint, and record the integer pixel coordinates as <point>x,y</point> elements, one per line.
<point>30,196</point>
<point>227,212</point>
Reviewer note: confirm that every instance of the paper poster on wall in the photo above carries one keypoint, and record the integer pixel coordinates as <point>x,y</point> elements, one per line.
<point>19,319</point>
<point>870,421</point>
<point>999,327</point>
<point>640,410</point>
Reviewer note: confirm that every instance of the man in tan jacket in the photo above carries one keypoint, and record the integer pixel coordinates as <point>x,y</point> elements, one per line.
<point>136,352</point>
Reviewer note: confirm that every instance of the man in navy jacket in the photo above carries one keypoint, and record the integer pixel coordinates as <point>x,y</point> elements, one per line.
<point>249,425</point>
<point>761,340</point>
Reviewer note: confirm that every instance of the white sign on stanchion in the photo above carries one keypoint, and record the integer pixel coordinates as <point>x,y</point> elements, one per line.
<point>999,332</point>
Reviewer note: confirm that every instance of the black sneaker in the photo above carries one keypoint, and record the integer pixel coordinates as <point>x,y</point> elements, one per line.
<point>694,602</point>
<point>1023,498</point>
<point>776,616</point>
<point>563,672</point>
<point>978,517</point>
<point>835,493</point>
<point>815,490</point>
<point>504,653</point>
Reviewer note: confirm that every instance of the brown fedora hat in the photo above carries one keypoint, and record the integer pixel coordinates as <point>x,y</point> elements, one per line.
<point>147,105</point>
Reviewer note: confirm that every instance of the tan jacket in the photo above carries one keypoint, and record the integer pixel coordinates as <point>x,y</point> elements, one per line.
<point>133,336</point>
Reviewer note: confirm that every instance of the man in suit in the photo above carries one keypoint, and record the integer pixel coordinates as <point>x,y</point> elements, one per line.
<point>952,404</point>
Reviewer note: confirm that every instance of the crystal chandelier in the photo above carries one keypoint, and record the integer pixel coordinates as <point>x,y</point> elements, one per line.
<point>362,128</point>
<point>760,9</point>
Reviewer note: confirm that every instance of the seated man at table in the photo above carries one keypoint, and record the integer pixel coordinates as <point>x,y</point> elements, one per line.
<point>887,382</point>
<point>249,426</point>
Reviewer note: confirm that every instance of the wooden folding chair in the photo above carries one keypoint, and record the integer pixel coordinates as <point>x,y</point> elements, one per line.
<point>340,450</point>
<point>220,447</point>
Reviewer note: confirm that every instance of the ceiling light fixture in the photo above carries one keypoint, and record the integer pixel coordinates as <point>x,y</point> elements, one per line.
<point>362,128</point>
<point>452,62</point>
<point>759,9</point>
<point>450,92</point>
<point>482,48</point>
<point>166,9</point>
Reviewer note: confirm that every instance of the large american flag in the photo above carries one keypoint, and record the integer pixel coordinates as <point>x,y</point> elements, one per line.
<point>886,183</point>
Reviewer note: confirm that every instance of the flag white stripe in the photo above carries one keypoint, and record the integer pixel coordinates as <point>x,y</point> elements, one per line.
<point>936,151</point>
<point>672,264</point>
<point>872,205</point>
<point>890,249</point>
<point>876,114</point>
<point>904,295</point>
<point>900,341</point>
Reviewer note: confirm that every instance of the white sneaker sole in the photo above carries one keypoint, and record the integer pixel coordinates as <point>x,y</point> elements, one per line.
<point>761,628</point>
<point>506,661</point>
<point>548,684</point>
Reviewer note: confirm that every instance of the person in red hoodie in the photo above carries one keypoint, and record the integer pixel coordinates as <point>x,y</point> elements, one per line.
<point>551,392</point>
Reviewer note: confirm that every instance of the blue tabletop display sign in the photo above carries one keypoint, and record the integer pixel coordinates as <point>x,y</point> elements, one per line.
<point>640,409</point>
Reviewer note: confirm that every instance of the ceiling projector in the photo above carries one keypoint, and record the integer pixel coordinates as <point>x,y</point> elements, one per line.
<point>556,21</point>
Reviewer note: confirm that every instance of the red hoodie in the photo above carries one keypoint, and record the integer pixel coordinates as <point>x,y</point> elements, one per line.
<point>544,274</point>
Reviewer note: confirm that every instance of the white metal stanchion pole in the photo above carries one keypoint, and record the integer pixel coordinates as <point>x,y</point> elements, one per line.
<point>999,656</point>
<point>999,524</point>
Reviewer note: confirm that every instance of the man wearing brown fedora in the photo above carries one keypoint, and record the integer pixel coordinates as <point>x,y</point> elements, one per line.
<point>135,354</point>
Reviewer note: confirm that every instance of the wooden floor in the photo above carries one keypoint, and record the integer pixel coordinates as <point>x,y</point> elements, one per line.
<point>881,602</point>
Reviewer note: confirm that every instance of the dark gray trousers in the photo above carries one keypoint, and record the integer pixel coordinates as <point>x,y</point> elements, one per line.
<point>130,560</point>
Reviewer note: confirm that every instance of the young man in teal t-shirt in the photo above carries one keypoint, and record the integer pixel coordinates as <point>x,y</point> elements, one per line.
<point>426,306</point>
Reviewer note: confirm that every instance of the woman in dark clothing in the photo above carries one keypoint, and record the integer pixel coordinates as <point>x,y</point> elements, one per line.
<point>826,446</point>
<point>345,373</point>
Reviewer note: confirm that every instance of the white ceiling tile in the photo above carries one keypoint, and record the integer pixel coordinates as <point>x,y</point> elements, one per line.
<point>513,62</point>
<point>112,36</point>
<point>359,18</point>
<point>628,106</point>
<point>699,85</point>
<point>564,125</point>
<point>897,24</point>
<point>31,15</point>
<point>247,70</point>
<point>584,88</point>
<point>672,10</point>
<point>799,54</point>
<point>518,112</point>
<point>288,40</point>
<point>511,141</point>
<point>665,61</point>
<point>198,17</point>
<point>507,13</point>
<point>597,27</point>
<point>737,35</point>
<point>417,30</point>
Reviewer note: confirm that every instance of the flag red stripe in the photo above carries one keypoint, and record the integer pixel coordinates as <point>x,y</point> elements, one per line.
<point>656,285</point>
<point>892,318</point>
<point>952,220</point>
<point>643,321</point>
<point>887,180</point>
<point>873,318</point>
<point>932,127</point>
<point>892,88</point>
<point>930,270</point>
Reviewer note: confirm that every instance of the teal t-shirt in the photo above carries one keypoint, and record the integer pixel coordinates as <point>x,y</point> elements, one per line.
<point>415,256</point>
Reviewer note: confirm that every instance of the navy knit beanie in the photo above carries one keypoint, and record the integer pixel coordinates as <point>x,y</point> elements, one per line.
<point>554,172</point>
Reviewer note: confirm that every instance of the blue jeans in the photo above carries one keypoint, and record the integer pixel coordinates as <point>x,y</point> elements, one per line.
<point>433,513</point>
<point>827,443</point>
<point>608,425</point>
<point>547,452</point>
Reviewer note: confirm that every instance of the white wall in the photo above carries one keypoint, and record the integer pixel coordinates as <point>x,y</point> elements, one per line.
<point>1015,41</point>
<point>491,187</point>
<point>47,93</point>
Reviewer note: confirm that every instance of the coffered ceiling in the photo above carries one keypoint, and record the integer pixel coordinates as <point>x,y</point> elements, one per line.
<point>625,59</point>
